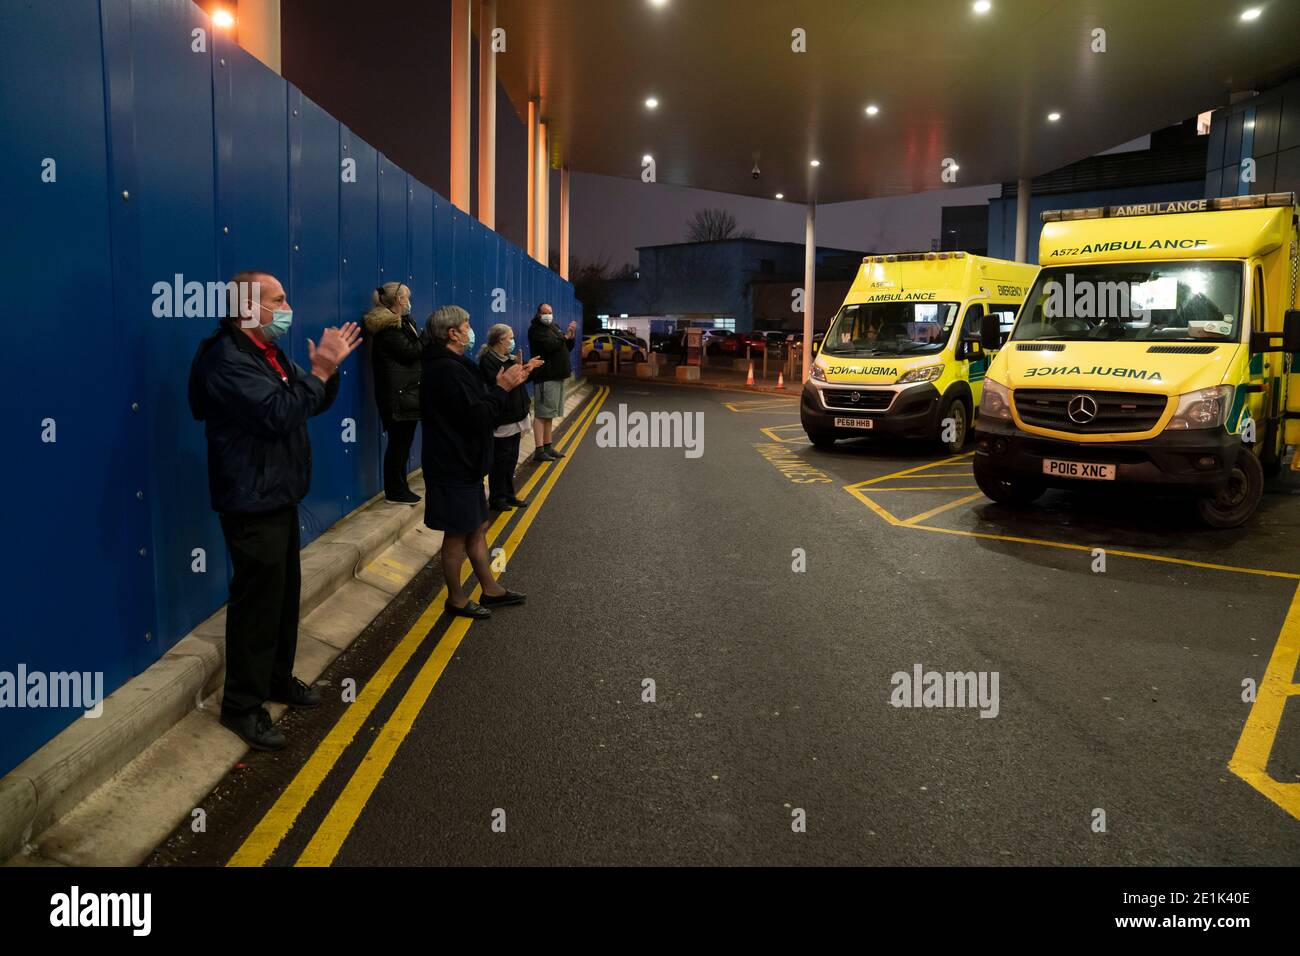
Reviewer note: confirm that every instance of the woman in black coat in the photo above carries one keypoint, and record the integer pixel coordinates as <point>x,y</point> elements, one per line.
<point>395,349</point>
<point>459,410</point>
<point>497,354</point>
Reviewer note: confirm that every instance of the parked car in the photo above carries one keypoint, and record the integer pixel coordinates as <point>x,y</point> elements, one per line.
<point>601,347</point>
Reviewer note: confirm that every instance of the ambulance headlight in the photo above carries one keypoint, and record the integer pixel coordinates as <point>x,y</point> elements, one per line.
<point>1204,408</point>
<point>817,372</point>
<point>995,402</point>
<point>930,373</point>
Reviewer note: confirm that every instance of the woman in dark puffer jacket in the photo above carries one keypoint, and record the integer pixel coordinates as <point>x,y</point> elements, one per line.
<point>395,349</point>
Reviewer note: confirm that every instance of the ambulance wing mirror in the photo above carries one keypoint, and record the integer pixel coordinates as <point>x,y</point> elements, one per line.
<point>1287,341</point>
<point>1291,331</point>
<point>991,333</point>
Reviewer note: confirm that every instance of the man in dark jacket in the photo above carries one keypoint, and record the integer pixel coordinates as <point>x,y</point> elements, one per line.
<point>552,346</point>
<point>254,403</point>
<point>395,354</point>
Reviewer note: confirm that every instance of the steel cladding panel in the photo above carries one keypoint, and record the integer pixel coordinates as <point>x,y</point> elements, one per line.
<point>67,435</point>
<point>315,255</point>
<point>174,196</point>
<point>177,160</point>
<point>359,274</point>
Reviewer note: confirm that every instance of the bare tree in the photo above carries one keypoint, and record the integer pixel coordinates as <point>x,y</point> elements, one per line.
<point>710,225</point>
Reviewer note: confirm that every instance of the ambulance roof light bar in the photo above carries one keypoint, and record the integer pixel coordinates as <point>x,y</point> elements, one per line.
<point>1258,201</point>
<point>914,256</point>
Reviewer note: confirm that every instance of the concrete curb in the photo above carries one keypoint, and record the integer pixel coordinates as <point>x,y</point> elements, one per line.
<point>68,796</point>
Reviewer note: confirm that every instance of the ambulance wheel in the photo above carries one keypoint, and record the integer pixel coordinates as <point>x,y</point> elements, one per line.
<point>1006,491</point>
<point>1239,498</point>
<point>821,439</point>
<point>956,411</point>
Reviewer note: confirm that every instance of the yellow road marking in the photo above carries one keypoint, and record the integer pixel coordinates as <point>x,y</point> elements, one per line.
<point>1250,759</point>
<point>799,439</point>
<point>271,830</point>
<point>916,519</point>
<point>338,823</point>
<point>763,405</point>
<point>928,487</point>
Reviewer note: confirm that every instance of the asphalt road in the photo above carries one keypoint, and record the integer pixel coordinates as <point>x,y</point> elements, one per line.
<point>1119,692</point>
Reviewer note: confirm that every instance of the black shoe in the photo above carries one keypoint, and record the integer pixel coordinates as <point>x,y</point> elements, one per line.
<point>472,609</point>
<point>514,502</point>
<point>500,504</point>
<point>510,597</point>
<point>552,454</point>
<point>255,729</point>
<point>540,456</point>
<point>296,694</point>
<point>407,497</point>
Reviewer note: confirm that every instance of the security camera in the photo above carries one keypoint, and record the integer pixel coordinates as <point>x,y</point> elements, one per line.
<point>755,172</point>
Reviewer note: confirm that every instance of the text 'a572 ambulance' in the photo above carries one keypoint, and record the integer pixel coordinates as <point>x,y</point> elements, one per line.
<point>903,356</point>
<point>1154,350</point>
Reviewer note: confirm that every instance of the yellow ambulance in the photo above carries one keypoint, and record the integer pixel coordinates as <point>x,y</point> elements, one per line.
<point>903,355</point>
<point>1154,350</point>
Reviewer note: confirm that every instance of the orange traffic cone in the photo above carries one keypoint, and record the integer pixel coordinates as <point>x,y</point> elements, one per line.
<point>780,380</point>
<point>749,379</point>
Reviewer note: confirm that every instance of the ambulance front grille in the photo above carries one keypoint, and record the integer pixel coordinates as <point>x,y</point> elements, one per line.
<point>1114,411</point>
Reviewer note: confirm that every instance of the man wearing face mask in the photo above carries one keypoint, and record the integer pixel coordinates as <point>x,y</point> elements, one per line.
<point>552,346</point>
<point>254,402</point>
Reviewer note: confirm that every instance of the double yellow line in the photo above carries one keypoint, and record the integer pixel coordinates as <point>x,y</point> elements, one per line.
<point>338,823</point>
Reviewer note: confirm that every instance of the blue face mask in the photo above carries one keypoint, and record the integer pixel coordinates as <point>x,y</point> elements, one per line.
<point>469,346</point>
<point>281,320</point>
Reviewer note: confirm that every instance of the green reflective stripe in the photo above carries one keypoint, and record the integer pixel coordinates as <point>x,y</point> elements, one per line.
<point>1257,364</point>
<point>1238,406</point>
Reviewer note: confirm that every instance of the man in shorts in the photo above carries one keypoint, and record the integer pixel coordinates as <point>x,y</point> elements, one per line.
<point>552,346</point>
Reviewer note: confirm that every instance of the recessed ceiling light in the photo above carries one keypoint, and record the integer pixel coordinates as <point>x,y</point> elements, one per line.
<point>780,195</point>
<point>658,3</point>
<point>1251,14</point>
<point>224,19</point>
<point>651,103</point>
<point>873,109</point>
<point>1053,117</point>
<point>982,6</point>
<point>815,162</point>
<point>647,158</point>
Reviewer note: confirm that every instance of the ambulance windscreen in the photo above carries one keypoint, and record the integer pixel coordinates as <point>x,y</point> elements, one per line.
<point>890,328</point>
<point>1187,301</point>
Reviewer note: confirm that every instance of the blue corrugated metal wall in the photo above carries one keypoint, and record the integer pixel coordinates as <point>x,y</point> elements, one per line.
<point>199,163</point>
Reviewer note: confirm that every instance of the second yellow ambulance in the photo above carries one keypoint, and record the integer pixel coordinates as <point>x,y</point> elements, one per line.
<point>903,355</point>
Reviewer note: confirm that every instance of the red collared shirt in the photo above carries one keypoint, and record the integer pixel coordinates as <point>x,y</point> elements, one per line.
<point>269,353</point>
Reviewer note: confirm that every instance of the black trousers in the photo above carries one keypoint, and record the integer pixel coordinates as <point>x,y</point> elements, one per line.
<point>262,617</point>
<point>501,477</point>
<point>400,437</point>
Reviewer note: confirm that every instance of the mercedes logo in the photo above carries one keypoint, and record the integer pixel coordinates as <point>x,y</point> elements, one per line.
<point>855,397</point>
<point>1082,409</point>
